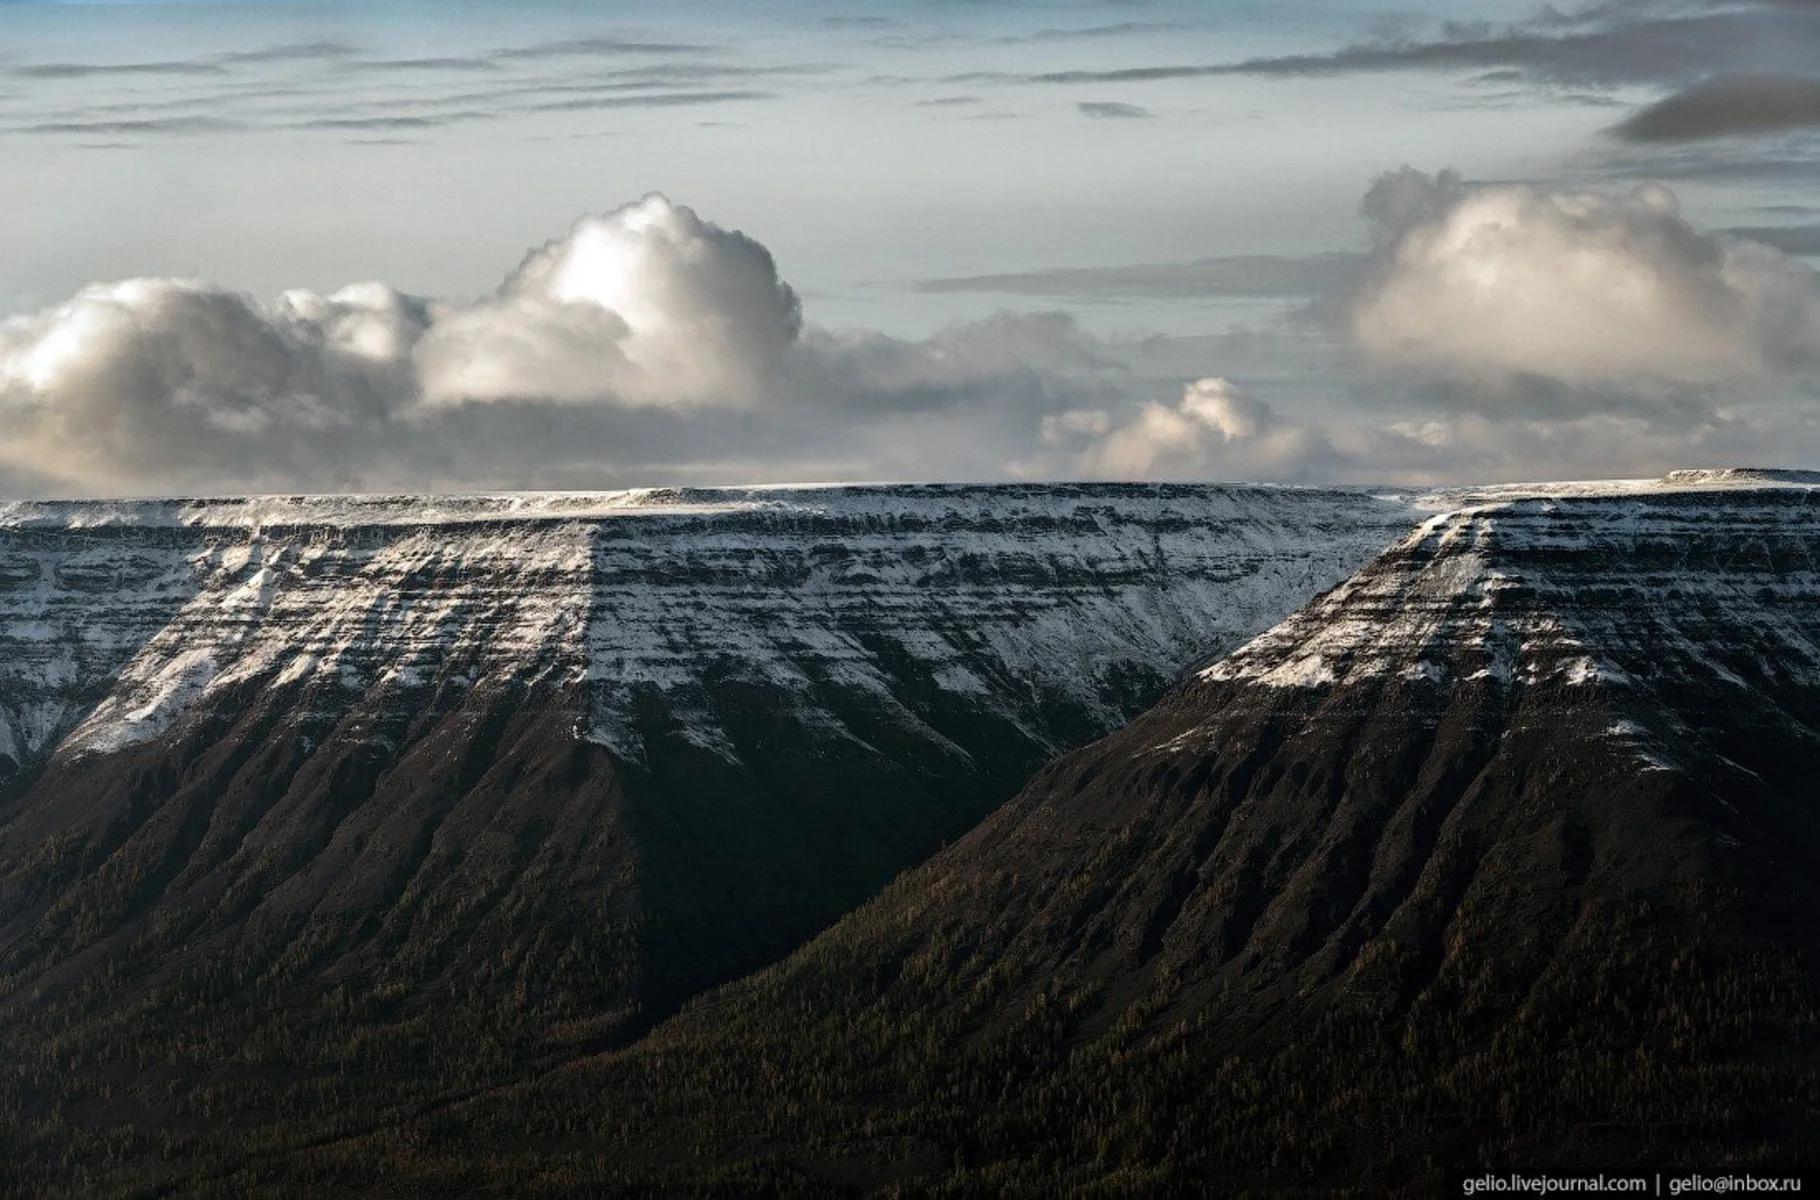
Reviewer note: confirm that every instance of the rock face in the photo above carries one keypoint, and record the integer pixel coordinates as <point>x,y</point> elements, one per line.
<point>1500,855</point>
<point>464,779</point>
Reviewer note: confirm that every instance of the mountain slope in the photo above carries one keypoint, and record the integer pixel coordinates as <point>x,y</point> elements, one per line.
<point>1500,855</point>
<point>415,795</point>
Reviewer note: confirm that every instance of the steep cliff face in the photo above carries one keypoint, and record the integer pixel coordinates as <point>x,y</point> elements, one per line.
<point>1500,854</point>
<point>126,616</point>
<point>440,785</point>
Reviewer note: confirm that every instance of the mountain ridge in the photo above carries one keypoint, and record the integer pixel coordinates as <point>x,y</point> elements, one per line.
<point>1320,919</point>
<point>418,802</point>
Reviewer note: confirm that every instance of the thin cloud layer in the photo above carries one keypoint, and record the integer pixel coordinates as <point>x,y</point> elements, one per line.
<point>1621,47</point>
<point>1575,286</point>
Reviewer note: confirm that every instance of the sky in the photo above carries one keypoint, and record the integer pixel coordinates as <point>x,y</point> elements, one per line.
<point>327,246</point>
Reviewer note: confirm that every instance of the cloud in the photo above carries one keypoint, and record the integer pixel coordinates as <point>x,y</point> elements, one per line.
<point>159,384</point>
<point>74,70</point>
<point>424,64</point>
<point>648,305</point>
<point>141,126</point>
<point>432,121</point>
<point>646,344</point>
<point>314,51</point>
<point>650,345</point>
<point>1728,107</point>
<point>602,47</point>
<point>1113,109</point>
<point>1603,46</point>
<point>1499,281</point>
<point>1214,431</point>
<point>334,86</point>
<point>176,374</point>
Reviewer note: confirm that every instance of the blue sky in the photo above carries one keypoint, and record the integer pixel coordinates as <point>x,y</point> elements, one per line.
<point>1012,239</point>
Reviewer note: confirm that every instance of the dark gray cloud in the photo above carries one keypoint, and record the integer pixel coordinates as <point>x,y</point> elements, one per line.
<point>380,124</point>
<point>1613,45</point>
<point>1089,33</point>
<point>602,47</point>
<point>1113,110</point>
<point>1728,107</point>
<point>947,101</point>
<point>75,70</point>
<point>1250,275</point>
<point>313,51</point>
<point>149,125</point>
<point>424,64</point>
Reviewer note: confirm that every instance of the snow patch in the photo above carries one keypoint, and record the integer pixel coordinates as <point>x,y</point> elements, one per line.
<point>1581,672</point>
<point>299,667</point>
<point>1307,672</point>
<point>149,706</point>
<point>1424,671</point>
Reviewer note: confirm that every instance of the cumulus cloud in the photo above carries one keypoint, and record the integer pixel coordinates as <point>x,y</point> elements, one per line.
<point>1213,431</point>
<point>1588,288</point>
<point>647,305</point>
<point>173,372</point>
<point>647,344</point>
<point>1515,332</point>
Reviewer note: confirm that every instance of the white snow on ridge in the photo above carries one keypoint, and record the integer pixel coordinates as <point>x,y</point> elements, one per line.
<point>999,598</point>
<point>1712,580</point>
<point>131,615</point>
<point>1685,480</point>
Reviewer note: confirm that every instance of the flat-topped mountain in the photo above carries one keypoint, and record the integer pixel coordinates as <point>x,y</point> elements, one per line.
<point>428,790</point>
<point>1500,855</point>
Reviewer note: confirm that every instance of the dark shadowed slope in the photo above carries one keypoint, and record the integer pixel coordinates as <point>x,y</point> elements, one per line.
<point>372,802</point>
<point>1501,854</point>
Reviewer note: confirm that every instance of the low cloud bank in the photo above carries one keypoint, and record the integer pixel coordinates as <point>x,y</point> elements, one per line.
<point>646,342</point>
<point>1213,431</point>
<point>1492,332</point>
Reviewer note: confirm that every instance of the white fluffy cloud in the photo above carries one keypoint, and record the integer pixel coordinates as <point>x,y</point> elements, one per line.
<point>1518,332</point>
<point>1212,432</point>
<point>166,371</point>
<point>1575,286</point>
<point>648,305</point>
<point>647,344</point>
